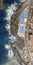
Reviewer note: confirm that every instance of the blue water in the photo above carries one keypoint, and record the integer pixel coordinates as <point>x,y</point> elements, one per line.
<point>3,33</point>
<point>24,15</point>
<point>22,30</point>
<point>10,1</point>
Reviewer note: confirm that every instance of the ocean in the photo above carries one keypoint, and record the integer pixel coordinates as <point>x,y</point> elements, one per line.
<point>3,32</point>
<point>3,35</point>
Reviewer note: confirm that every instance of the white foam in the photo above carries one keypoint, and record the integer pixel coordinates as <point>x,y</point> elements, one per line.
<point>7,46</point>
<point>10,54</point>
<point>12,37</point>
<point>10,11</point>
<point>22,0</point>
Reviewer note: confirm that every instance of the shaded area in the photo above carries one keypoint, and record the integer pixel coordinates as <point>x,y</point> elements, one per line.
<point>14,28</point>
